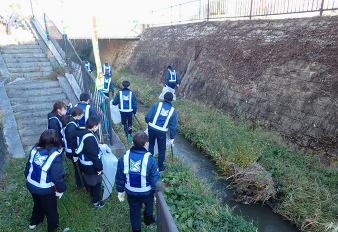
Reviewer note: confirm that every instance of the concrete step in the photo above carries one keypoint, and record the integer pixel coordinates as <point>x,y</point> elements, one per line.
<point>34,92</point>
<point>37,121</point>
<point>34,113</point>
<point>30,69</point>
<point>19,47</point>
<point>33,130</point>
<point>24,55</point>
<point>30,85</point>
<point>23,60</point>
<point>28,64</point>
<point>30,140</point>
<point>35,106</point>
<point>48,98</point>
<point>21,51</point>
<point>32,74</point>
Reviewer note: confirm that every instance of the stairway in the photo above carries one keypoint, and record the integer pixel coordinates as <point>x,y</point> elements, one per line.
<point>30,88</point>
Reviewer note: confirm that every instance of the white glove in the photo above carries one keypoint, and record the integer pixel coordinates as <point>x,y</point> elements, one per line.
<point>121,196</point>
<point>75,159</point>
<point>99,173</point>
<point>172,141</point>
<point>57,194</point>
<point>135,115</point>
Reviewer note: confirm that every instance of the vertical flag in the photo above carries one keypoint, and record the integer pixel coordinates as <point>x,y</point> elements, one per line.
<point>95,40</point>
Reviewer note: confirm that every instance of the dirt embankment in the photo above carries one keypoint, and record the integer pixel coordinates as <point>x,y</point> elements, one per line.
<point>283,73</point>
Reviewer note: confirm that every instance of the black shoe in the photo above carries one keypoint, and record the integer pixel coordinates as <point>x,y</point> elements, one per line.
<point>136,230</point>
<point>150,219</point>
<point>99,204</point>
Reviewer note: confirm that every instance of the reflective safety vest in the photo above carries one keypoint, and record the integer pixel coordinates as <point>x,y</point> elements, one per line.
<point>83,159</point>
<point>87,64</point>
<point>172,76</point>
<point>63,132</point>
<point>162,117</point>
<point>135,170</point>
<point>40,164</point>
<point>106,70</point>
<point>83,120</point>
<point>126,101</point>
<point>107,81</point>
<point>60,123</point>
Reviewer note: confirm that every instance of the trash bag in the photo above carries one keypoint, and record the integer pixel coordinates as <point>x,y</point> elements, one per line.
<point>109,162</point>
<point>155,147</point>
<point>115,113</point>
<point>167,89</point>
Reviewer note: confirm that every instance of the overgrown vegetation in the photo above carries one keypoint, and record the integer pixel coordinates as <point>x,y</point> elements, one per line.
<point>57,71</point>
<point>306,192</point>
<point>193,205</point>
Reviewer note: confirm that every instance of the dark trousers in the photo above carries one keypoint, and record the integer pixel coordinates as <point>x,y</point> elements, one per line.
<point>95,192</point>
<point>127,121</point>
<point>161,144</point>
<point>135,206</point>
<point>172,85</point>
<point>77,174</point>
<point>45,205</point>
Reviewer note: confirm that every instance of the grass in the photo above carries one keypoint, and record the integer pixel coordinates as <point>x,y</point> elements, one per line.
<point>306,191</point>
<point>16,205</point>
<point>191,202</point>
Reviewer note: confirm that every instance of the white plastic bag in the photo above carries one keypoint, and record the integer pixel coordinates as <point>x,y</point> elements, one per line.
<point>155,147</point>
<point>109,162</point>
<point>115,113</point>
<point>167,89</point>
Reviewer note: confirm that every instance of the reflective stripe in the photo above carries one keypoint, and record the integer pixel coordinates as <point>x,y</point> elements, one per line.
<point>49,161</point>
<point>63,132</point>
<point>80,147</point>
<point>84,162</point>
<point>144,187</point>
<point>172,74</point>
<point>88,66</point>
<point>60,123</point>
<point>153,123</point>
<point>107,89</point>
<point>45,168</point>
<point>87,113</point>
<point>122,105</point>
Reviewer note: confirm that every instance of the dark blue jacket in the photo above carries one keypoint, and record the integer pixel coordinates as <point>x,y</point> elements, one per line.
<point>152,173</point>
<point>92,112</point>
<point>54,123</point>
<point>71,137</point>
<point>172,125</point>
<point>91,151</point>
<point>168,78</point>
<point>55,173</point>
<point>133,100</point>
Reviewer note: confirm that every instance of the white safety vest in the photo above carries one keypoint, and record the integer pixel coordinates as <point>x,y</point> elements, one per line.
<point>162,112</point>
<point>172,76</point>
<point>83,159</point>
<point>126,98</point>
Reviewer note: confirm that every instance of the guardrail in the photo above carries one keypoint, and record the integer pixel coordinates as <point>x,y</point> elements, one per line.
<point>165,222</point>
<point>201,10</point>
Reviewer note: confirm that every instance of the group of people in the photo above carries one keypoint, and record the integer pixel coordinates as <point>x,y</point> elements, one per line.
<point>71,131</point>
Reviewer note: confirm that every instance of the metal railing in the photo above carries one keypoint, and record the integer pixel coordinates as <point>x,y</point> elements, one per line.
<point>165,222</point>
<point>76,67</point>
<point>201,10</point>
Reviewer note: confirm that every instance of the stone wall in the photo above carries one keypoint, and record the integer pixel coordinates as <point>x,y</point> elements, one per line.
<point>283,73</point>
<point>116,52</point>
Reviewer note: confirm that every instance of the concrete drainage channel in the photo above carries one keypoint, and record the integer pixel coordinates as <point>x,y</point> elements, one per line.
<point>203,167</point>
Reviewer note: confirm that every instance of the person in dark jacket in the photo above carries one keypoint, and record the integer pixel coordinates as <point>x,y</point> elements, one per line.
<point>44,179</point>
<point>172,78</point>
<point>127,102</point>
<point>90,158</point>
<point>54,119</point>
<point>137,174</point>
<point>160,117</point>
<point>108,85</point>
<point>70,123</point>
<point>88,110</point>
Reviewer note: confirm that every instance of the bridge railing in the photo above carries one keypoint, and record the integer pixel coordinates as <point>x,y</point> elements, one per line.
<point>201,10</point>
